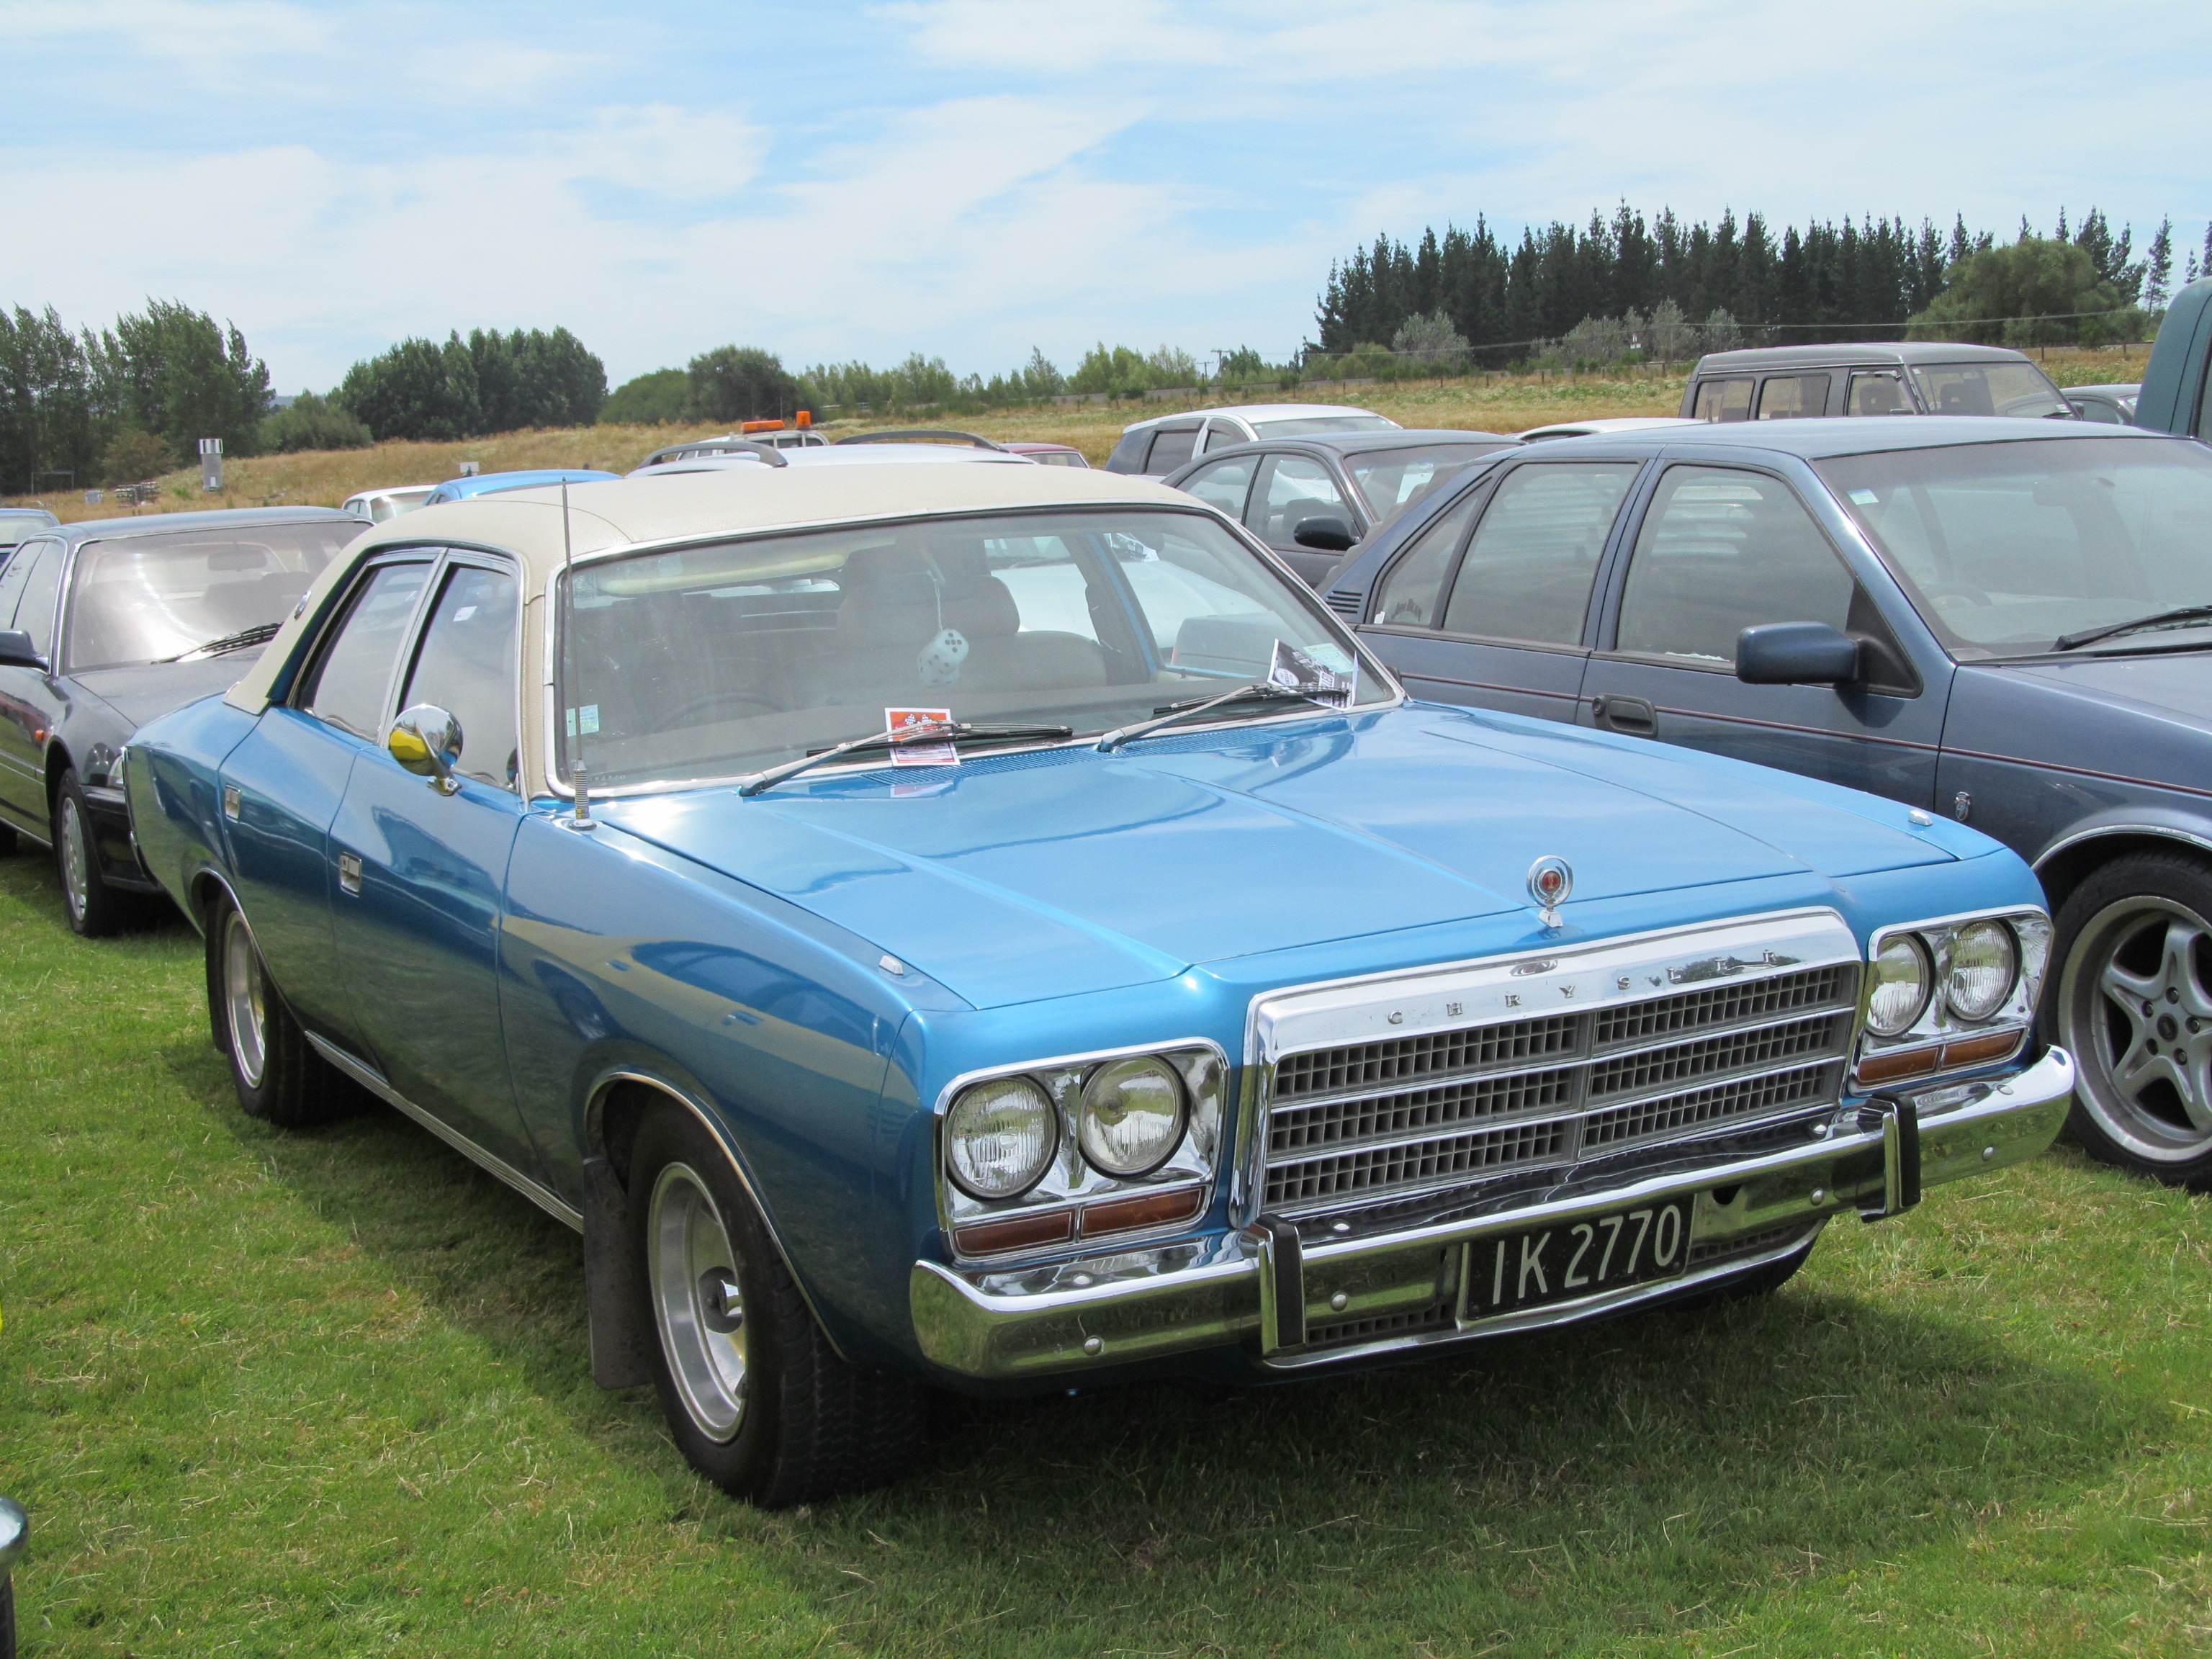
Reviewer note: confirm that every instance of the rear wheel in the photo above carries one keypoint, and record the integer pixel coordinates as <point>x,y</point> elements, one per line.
<point>2131,998</point>
<point>279,1077</point>
<point>95,909</point>
<point>756,1397</point>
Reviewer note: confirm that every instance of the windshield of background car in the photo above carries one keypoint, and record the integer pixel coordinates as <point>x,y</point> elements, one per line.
<point>716,660</point>
<point>1390,478</point>
<point>2005,547</point>
<point>1301,426</point>
<point>1988,389</point>
<point>142,599</point>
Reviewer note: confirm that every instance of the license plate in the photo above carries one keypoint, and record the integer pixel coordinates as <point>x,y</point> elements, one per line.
<point>1513,1273</point>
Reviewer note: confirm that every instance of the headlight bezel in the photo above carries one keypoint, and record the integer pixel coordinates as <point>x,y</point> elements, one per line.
<point>1050,1216</point>
<point>1925,1049</point>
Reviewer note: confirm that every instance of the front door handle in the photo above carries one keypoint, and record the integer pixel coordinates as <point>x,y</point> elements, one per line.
<point>349,873</point>
<point>1632,715</point>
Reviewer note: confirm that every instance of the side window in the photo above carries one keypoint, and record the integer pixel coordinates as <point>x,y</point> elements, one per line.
<point>466,667</point>
<point>1128,455</point>
<point>1529,567</point>
<point>349,682</point>
<point>1720,552</point>
<point>1723,400</point>
<point>1171,448</point>
<point>1793,397</point>
<point>1408,594</point>
<point>1879,392</point>
<point>42,586</point>
<point>14,575</point>
<point>2089,409</point>
<point>1220,435</point>
<point>1291,487</point>
<point>1225,484</point>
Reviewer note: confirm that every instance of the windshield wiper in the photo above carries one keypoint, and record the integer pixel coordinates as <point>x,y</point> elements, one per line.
<point>259,633</point>
<point>898,737</point>
<point>2180,613</point>
<point>1266,690</point>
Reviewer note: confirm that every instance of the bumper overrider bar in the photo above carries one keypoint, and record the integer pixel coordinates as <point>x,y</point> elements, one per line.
<point>1269,1285</point>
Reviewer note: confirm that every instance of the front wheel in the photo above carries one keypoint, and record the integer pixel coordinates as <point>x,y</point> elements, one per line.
<point>2131,998</point>
<point>756,1397</point>
<point>95,909</point>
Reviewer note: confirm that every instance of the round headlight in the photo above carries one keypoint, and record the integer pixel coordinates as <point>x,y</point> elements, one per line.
<point>1000,1138</point>
<point>1132,1115</point>
<point>1984,964</point>
<point>1901,984</point>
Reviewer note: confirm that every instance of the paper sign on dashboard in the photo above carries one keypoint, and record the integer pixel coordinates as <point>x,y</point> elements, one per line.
<point>921,753</point>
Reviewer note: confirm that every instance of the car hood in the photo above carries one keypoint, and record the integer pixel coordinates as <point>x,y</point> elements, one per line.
<point>146,691</point>
<point>1019,877</point>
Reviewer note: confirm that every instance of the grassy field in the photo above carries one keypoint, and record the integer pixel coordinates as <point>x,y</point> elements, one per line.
<point>1501,404</point>
<point>326,1393</point>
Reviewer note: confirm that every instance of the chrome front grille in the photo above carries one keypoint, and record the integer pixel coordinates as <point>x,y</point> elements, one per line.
<point>1354,1122</point>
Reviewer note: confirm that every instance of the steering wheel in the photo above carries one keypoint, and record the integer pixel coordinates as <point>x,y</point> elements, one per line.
<point>1963,590</point>
<point>682,715</point>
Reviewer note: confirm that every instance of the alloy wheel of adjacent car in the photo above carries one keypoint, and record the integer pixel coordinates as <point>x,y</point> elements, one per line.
<point>2133,1002</point>
<point>95,908</point>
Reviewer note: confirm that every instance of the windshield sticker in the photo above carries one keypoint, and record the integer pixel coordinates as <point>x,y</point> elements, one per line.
<point>1866,498</point>
<point>1308,671</point>
<point>584,720</point>
<point>921,753</point>
<point>940,660</point>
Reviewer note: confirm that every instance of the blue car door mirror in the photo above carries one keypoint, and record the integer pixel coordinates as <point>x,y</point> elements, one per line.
<point>426,741</point>
<point>16,651</point>
<point>1796,653</point>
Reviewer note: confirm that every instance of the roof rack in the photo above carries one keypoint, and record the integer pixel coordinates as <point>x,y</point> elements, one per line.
<point>924,434</point>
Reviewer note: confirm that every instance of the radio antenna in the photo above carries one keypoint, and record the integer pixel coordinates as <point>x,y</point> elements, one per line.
<point>575,711</point>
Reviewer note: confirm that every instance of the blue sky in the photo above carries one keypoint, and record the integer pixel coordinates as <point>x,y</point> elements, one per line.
<point>971,178</point>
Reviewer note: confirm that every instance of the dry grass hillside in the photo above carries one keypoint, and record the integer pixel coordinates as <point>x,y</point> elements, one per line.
<point>1491,404</point>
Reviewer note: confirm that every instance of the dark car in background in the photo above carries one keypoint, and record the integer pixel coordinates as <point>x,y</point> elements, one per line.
<point>1311,498</point>
<point>2008,623</point>
<point>105,624</point>
<point>1155,448</point>
<point>1919,377</point>
<point>2112,405</point>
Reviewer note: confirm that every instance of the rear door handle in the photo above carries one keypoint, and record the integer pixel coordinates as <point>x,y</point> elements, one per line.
<point>1632,715</point>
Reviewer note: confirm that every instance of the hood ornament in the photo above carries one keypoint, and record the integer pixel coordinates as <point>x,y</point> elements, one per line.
<point>1550,880</point>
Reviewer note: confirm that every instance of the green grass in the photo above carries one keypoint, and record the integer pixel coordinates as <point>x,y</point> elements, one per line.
<point>326,1393</point>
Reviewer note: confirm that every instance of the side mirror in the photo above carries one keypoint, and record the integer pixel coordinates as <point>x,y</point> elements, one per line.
<point>426,741</point>
<point>1323,535</point>
<point>1795,653</point>
<point>16,651</point>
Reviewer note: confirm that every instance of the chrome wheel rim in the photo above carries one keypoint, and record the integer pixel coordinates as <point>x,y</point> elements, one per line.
<point>2136,1008</point>
<point>696,1302</point>
<point>245,998</point>
<point>77,867</point>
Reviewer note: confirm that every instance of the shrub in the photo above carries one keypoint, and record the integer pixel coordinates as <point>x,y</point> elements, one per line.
<point>134,455</point>
<point>312,423</point>
<point>657,398</point>
<point>1430,344</point>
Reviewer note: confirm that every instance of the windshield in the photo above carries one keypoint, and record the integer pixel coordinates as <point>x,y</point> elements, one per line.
<point>1391,479</point>
<point>146,598</point>
<point>392,502</point>
<point>717,660</point>
<point>1302,425</point>
<point>2006,547</point>
<point>1988,389</point>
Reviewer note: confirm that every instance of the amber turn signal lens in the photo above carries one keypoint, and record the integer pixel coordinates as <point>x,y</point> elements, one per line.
<point>1905,1062</point>
<point>1017,1232</point>
<point>1976,1050</point>
<point>1120,1215</point>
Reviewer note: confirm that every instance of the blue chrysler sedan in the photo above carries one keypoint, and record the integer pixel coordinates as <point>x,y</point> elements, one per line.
<point>2005,622</point>
<point>991,927</point>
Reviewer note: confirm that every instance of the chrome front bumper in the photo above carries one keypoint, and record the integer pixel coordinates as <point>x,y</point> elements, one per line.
<point>1267,1286</point>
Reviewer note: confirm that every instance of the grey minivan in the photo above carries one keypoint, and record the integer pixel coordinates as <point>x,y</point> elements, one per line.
<point>1917,377</point>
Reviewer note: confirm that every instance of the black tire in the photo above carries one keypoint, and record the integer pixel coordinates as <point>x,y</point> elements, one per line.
<point>279,1077</point>
<point>95,909</point>
<point>7,1616</point>
<point>7,846</point>
<point>763,1407</point>
<point>2129,995</point>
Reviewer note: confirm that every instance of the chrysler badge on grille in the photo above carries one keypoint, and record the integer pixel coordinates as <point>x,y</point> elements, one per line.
<point>1550,880</point>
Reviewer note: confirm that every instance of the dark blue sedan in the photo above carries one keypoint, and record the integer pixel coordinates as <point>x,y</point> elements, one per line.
<point>2002,622</point>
